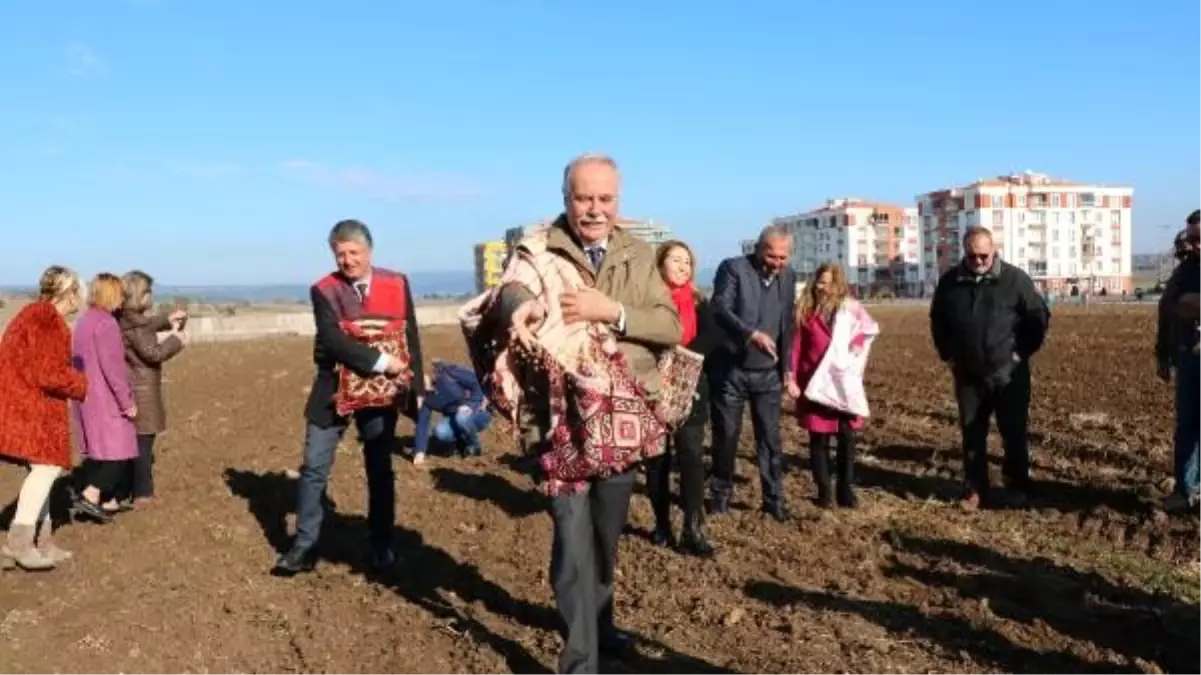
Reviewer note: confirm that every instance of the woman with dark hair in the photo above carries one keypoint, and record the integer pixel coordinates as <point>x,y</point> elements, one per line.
<point>36,381</point>
<point>677,265</point>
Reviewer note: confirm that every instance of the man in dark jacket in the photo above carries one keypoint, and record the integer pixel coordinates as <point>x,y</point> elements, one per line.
<point>357,290</point>
<point>1176,348</point>
<point>987,320</point>
<point>453,391</point>
<point>753,303</point>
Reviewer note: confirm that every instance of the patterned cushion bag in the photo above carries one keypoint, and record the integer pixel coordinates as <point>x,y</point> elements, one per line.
<point>680,370</point>
<point>356,391</point>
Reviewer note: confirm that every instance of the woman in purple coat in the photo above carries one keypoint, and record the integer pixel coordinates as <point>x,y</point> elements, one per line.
<point>106,434</point>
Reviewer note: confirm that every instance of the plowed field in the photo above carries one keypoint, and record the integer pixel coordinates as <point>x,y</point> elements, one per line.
<point>1092,577</point>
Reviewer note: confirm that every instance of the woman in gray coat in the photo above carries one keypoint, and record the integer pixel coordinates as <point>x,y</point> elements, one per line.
<point>145,354</point>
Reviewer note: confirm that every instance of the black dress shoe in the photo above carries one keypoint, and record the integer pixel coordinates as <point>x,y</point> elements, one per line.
<point>695,544</point>
<point>87,509</point>
<point>777,511</point>
<point>295,561</point>
<point>662,536</point>
<point>719,505</point>
<point>616,643</point>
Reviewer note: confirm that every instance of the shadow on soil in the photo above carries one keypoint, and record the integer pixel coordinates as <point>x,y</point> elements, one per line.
<point>423,572</point>
<point>1083,605</point>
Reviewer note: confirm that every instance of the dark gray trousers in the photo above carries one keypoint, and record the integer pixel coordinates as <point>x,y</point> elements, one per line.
<point>583,557</point>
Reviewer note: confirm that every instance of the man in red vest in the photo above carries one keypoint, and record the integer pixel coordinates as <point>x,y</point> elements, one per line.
<point>357,290</point>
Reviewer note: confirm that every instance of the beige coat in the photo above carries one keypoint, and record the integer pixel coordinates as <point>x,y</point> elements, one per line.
<point>629,276</point>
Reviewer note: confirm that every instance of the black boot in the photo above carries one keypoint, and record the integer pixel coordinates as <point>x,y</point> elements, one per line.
<point>819,462</point>
<point>658,484</point>
<point>693,541</point>
<point>846,467</point>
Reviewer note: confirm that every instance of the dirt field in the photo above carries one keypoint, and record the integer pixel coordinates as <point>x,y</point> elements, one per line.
<point>1091,578</point>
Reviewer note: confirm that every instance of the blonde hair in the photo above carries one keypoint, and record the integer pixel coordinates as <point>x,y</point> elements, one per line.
<point>836,292</point>
<point>138,289</point>
<point>56,282</point>
<point>106,292</point>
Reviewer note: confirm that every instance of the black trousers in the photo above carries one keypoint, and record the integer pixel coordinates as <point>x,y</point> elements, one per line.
<point>107,476</point>
<point>978,401</point>
<point>819,461</point>
<point>583,556</point>
<point>687,444</point>
<point>140,481</point>
<point>732,388</point>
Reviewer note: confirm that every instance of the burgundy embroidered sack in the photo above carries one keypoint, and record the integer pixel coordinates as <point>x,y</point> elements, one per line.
<point>376,390</point>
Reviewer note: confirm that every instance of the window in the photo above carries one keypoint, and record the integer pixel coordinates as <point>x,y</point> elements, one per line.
<point>1022,252</point>
<point>998,218</point>
<point>1054,235</point>
<point>1087,199</point>
<point>1072,269</point>
<point>998,202</point>
<point>1022,201</point>
<point>1115,217</point>
<point>1021,233</point>
<point>1055,252</point>
<point>1055,218</point>
<point>1055,200</point>
<point>1072,217</point>
<point>1085,216</point>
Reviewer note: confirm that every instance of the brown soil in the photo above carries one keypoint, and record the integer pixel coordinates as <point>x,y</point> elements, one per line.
<point>1091,578</point>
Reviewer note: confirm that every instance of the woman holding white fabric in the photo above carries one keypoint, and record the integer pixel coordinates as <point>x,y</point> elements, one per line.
<point>826,317</point>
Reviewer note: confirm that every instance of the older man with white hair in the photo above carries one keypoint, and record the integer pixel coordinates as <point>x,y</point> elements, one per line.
<point>343,301</point>
<point>621,288</point>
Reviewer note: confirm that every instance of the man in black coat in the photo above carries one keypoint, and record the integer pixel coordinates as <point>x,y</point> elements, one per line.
<point>753,303</point>
<point>987,320</point>
<point>1176,349</point>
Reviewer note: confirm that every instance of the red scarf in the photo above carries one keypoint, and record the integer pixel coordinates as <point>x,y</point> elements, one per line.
<point>685,299</point>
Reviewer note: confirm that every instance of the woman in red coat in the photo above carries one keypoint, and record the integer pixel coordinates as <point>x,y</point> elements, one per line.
<point>37,379</point>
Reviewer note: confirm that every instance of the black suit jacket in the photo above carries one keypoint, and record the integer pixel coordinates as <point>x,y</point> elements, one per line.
<point>332,346</point>
<point>738,292</point>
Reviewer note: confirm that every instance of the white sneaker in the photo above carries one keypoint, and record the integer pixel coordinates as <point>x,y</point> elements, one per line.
<point>419,458</point>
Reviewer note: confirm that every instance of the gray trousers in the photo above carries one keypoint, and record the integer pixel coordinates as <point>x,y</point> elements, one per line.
<point>583,557</point>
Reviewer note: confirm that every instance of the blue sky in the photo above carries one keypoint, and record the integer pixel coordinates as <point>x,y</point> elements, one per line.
<point>216,141</point>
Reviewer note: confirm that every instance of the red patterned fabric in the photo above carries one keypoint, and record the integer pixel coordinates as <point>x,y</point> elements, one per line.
<point>603,422</point>
<point>357,392</point>
<point>602,419</point>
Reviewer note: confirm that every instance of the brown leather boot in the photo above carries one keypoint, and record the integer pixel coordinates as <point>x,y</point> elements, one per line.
<point>20,550</point>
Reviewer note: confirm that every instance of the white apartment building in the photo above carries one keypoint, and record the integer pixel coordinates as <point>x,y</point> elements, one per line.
<point>878,245</point>
<point>1063,234</point>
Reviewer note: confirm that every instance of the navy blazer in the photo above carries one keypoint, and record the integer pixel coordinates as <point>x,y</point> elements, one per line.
<point>737,299</point>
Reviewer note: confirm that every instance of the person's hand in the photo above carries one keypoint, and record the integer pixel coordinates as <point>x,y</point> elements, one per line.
<point>1164,372</point>
<point>131,413</point>
<point>794,389</point>
<point>589,304</point>
<point>181,336</point>
<point>762,341</point>
<point>177,317</point>
<point>394,367</point>
<point>528,316</point>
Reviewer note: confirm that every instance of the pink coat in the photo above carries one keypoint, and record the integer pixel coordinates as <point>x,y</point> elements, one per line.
<point>810,341</point>
<point>104,433</point>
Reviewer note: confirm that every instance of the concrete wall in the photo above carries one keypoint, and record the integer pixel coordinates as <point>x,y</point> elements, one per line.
<point>258,325</point>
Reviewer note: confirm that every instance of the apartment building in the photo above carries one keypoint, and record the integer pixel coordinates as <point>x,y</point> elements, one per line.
<point>489,264</point>
<point>1063,234</point>
<point>878,245</point>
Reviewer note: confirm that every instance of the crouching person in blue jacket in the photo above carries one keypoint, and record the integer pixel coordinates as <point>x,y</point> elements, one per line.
<point>454,392</point>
